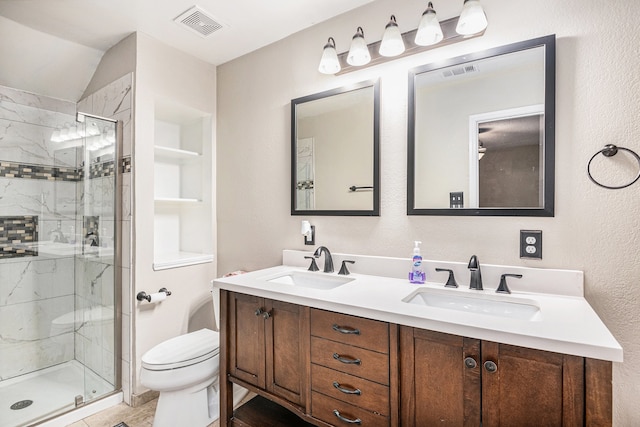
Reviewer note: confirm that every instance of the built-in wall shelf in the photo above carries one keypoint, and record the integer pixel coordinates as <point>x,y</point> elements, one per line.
<point>175,200</point>
<point>182,186</point>
<point>180,259</point>
<point>175,154</point>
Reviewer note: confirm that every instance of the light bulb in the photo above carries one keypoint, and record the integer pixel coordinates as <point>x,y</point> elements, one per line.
<point>429,30</point>
<point>329,63</point>
<point>472,18</point>
<point>358,52</point>
<point>392,43</point>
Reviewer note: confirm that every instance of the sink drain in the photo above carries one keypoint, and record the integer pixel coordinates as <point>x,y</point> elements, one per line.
<point>21,404</point>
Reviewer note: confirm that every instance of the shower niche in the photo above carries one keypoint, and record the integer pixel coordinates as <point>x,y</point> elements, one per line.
<point>182,186</point>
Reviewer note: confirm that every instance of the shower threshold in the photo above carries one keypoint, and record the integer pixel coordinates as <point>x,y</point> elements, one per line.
<point>51,390</point>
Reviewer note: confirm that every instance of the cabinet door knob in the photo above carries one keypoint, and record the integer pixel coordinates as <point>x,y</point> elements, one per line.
<point>470,362</point>
<point>490,366</point>
<point>344,330</point>
<point>258,312</point>
<point>346,420</point>
<point>346,390</point>
<point>346,360</point>
<point>266,314</point>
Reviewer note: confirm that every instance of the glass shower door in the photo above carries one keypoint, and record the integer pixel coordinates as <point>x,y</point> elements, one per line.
<point>96,269</point>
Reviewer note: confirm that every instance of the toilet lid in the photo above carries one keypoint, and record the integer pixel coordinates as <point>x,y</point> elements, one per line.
<point>183,350</point>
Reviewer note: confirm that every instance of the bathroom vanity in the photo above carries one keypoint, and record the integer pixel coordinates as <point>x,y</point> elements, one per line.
<point>322,349</point>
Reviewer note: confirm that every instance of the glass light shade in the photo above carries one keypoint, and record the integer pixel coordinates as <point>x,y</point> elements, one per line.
<point>472,18</point>
<point>73,132</point>
<point>359,51</point>
<point>429,30</point>
<point>329,63</point>
<point>55,136</point>
<point>64,134</point>
<point>392,43</point>
<point>92,129</point>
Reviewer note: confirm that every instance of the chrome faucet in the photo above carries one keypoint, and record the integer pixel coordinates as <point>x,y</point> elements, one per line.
<point>57,235</point>
<point>476,276</point>
<point>328,261</point>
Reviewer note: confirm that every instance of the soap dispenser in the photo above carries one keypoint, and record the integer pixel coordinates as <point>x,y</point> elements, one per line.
<point>416,275</point>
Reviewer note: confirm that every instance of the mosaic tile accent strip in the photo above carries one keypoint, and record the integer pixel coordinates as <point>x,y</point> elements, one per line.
<point>126,164</point>
<point>18,235</point>
<point>51,173</point>
<point>102,169</point>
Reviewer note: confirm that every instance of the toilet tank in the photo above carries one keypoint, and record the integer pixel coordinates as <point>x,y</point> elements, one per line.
<point>201,314</point>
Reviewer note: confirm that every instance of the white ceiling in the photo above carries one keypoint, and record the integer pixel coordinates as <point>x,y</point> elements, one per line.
<point>97,25</point>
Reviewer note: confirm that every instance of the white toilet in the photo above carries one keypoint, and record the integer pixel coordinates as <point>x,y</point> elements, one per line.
<point>185,370</point>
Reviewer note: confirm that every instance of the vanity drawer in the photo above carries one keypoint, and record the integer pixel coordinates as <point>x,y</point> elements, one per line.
<point>351,360</point>
<point>330,410</point>
<point>350,389</point>
<point>365,333</point>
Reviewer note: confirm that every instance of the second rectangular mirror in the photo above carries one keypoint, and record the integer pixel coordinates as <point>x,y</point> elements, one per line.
<point>481,133</point>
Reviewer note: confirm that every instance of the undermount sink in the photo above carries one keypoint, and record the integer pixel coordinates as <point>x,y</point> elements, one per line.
<point>493,305</point>
<point>310,280</point>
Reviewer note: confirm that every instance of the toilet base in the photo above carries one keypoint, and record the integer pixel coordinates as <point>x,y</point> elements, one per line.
<point>185,407</point>
<point>195,407</point>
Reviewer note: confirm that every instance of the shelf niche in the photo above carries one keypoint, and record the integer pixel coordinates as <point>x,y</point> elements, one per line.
<point>182,186</point>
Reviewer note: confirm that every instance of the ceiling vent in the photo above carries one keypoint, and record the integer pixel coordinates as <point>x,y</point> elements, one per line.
<point>458,71</point>
<point>198,21</point>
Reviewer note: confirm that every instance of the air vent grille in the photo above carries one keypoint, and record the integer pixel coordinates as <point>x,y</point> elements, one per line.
<point>458,71</point>
<point>198,21</point>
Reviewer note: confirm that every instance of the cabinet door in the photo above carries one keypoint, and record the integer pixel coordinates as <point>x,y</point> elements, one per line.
<point>287,350</point>
<point>247,340</point>
<point>440,379</point>
<point>524,387</point>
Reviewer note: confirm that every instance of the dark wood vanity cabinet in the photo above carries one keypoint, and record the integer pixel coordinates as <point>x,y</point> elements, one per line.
<point>457,381</point>
<point>313,367</point>
<point>268,345</point>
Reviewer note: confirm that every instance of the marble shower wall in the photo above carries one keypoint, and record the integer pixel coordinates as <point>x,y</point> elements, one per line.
<point>35,290</point>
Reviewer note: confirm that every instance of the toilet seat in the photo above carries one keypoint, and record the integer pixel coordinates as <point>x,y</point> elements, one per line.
<point>182,351</point>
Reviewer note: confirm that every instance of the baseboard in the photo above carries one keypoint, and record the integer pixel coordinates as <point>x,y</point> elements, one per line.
<point>141,399</point>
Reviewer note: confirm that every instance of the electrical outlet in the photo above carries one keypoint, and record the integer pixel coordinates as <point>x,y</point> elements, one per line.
<point>456,200</point>
<point>531,244</point>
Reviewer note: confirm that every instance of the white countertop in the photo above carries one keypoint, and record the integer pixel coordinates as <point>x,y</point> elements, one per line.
<point>566,322</point>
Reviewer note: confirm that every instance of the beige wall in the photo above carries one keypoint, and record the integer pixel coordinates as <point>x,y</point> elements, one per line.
<point>594,229</point>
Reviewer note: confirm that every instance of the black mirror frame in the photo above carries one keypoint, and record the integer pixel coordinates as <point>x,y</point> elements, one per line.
<point>375,211</point>
<point>549,43</point>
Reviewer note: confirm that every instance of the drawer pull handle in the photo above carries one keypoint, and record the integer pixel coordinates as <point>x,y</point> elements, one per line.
<point>346,360</point>
<point>346,390</point>
<point>343,330</point>
<point>346,420</point>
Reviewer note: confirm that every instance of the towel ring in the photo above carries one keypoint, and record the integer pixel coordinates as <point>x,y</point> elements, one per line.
<point>611,150</point>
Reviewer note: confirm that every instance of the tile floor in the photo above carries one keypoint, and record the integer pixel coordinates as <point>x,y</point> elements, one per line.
<point>141,416</point>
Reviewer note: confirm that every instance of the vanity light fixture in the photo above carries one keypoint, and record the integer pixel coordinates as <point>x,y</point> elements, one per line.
<point>430,34</point>
<point>359,51</point>
<point>472,18</point>
<point>429,31</point>
<point>392,43</point>
<point>329,63</point>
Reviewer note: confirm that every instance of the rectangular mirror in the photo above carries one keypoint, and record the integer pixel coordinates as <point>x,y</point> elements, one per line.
<point>481,133</point>
<point>335,152</point>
